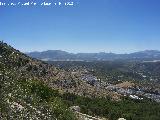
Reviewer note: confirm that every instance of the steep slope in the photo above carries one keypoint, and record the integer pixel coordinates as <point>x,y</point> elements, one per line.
<point>23,94</point>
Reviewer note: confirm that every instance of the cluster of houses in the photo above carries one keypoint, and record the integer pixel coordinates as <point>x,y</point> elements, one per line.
<point>132,92</point>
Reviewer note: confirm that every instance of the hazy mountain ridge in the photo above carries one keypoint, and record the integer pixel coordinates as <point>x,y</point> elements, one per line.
<point>52,55</point>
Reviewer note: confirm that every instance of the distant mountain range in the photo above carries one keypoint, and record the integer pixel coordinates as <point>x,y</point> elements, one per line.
<point>58,55</point>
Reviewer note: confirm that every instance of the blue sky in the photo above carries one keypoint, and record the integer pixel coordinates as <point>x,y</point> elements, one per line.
<point>120,26</point>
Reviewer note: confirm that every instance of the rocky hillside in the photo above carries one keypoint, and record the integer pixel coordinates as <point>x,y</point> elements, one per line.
<point>24,94</point>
